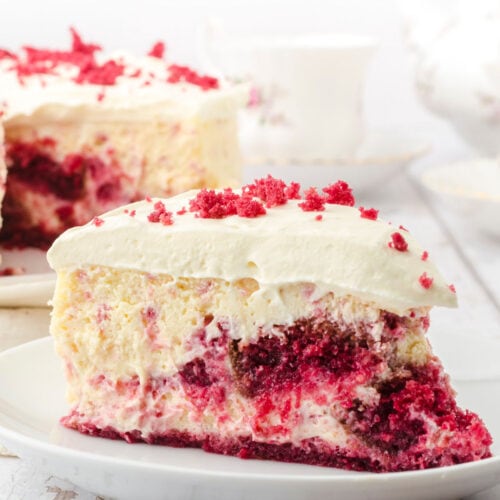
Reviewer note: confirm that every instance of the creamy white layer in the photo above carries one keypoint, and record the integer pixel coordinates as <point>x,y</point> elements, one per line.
<point>342,253</point>
<point>57,97</point>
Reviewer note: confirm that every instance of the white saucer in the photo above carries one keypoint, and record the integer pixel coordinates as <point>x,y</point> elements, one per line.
<point>380,156</point>
<point>33,288</point>
<point>472,188</point>
<point>32,400</point>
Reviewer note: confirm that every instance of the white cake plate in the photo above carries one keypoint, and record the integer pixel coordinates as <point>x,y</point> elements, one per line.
<point>32,401</point>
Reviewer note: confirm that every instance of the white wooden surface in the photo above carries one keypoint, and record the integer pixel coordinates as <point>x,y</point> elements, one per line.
<point>467,339</point>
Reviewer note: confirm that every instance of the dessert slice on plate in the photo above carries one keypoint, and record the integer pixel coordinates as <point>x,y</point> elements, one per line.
<point>260,323</point>
<point>87,131</point>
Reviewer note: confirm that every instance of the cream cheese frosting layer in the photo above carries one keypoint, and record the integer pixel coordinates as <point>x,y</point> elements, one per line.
<point>343,252</point>
<point>57,96</point>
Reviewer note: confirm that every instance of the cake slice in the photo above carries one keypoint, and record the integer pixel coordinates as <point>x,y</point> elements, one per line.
<point>259,323</point>
<point>87,131</point>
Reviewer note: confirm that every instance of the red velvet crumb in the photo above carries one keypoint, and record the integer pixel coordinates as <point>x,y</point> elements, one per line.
<point>209,204</point>
<point>246,206</point>
<point>318,217</point>
<point>158,50</point>
<point>339,193</point>
<point>398,242</point>
<point>270,190</point>
<point>368,213</point>
<point>182,211</point>
<point>161,214</point>
<point>314,202</point>
<point>425,281</point>
<point>179,74</point>
<point>452,288</point>
<point>292,192</point>
<point>148,199</point>
<point>425,255</point>
<point>402,228</point>
<point>132,213</point>
<point>97,221</point>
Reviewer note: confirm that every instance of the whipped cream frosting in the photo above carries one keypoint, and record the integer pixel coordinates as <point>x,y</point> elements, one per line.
<point>343,252</point>
<point>57,96</point>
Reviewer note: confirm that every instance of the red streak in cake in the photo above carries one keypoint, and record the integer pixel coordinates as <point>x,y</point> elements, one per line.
<point>398,242</point>
<point>368,213</point>
<point>313,201</point>
<point>313,358</point>
<point>339,193</point>
<point>85,180</point>
<point>425,281</point>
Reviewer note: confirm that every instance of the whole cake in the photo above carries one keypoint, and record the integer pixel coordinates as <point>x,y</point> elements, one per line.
<point>261,323</point>
<point>86,132</point>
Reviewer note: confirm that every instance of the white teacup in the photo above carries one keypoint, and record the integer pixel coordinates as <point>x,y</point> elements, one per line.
<point>305,101</point>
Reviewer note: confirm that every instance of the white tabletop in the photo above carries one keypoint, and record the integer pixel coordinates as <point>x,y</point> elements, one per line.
<point>467,258</point>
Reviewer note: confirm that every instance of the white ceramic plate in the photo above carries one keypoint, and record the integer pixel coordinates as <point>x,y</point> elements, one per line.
<point>381,156</point>
<point>472,188</point>
<point>32,288</point>
<point>32,400</point>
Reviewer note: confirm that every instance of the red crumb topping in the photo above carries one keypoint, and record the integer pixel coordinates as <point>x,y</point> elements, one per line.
<point>97,221</point>
<point>318,217</point>
<point>104,74</point>
<point>314,202</point>
<point>211,205</point>
<point>100,96</point>
<point>339,193</point>
<point>160,214</point>
<point>402,228</point>
<point>425,255</point>
<point>182,211</point>
<point>5,54</point>
<point>368,213</point>
<point>292,192</point>
<point>425,281</point>
<point>398,242</point>
<point>132,213</point>
<point>158,50</point>
<point>269,190</point>
<point>185,74</point>
<point>82,56</point>
<point>246,206</point>
<point>148,199</point>
<point>452,288</point>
